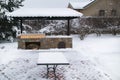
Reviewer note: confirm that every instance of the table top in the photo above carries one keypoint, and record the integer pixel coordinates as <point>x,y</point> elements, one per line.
<point>52,58</point>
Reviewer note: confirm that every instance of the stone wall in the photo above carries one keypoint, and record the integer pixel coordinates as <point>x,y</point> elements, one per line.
<point>47,42</point>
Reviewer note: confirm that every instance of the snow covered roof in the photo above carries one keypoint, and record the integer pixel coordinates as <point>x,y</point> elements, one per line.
<point>81,4</point>
<point>45,12</point>
<point>45,3</point>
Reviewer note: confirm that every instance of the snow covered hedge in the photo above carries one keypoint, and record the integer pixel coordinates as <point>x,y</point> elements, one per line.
<point>98,26</point>
<point>82,26</point>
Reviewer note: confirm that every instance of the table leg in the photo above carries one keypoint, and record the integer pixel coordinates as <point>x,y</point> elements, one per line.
<point>47,71</point>
<point>54,71</point>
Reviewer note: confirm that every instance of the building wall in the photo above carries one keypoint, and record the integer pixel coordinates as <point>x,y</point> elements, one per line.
<point>107,5</point>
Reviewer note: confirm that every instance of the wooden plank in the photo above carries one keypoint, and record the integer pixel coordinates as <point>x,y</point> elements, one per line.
<point>32,36</point>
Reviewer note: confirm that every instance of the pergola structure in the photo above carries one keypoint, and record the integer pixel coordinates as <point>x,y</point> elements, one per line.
<point>45,14</point>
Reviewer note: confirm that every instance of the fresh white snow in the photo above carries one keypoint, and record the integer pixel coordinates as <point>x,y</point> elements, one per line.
<point>45,12</point>
<point>104,51</point>
<point>52,58</point>
<point>59,36</point>
<point>81,4</point>
<point>94,58</point>
<point>47,4</point>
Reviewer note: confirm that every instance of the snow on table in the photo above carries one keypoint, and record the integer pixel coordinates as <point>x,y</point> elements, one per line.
<point>52,58</point>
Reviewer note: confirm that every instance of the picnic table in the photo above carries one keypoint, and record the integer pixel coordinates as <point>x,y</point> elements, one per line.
<point>52,60</point>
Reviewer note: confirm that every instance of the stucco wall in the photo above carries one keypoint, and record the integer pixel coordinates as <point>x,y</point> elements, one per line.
<point>107,5</point>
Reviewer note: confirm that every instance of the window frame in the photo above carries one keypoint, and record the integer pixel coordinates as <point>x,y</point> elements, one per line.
<point>101,12</point>
<point>113,12</point>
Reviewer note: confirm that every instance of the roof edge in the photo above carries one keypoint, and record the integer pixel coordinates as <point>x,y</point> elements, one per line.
<point>89,4</point>
<point>70,3</point>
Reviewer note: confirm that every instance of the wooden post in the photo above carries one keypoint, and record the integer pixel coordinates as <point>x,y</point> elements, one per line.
<point>68,27</point>
<point>21,27</point>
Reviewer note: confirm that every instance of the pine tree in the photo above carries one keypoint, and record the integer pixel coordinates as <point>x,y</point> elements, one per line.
<point>7,6</point>
<point>10,5</point>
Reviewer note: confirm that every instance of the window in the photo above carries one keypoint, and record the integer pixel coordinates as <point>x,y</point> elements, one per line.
<point>102,13</point>
<point>113,12</point>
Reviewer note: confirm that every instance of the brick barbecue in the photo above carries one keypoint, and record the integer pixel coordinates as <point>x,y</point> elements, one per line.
<point>41,41</point>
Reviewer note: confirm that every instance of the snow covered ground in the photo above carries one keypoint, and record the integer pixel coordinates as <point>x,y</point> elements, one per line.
<point>94,58</point>
<point>104,51</point>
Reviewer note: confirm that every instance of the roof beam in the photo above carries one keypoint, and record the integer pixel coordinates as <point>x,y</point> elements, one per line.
<point>44,18</point>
